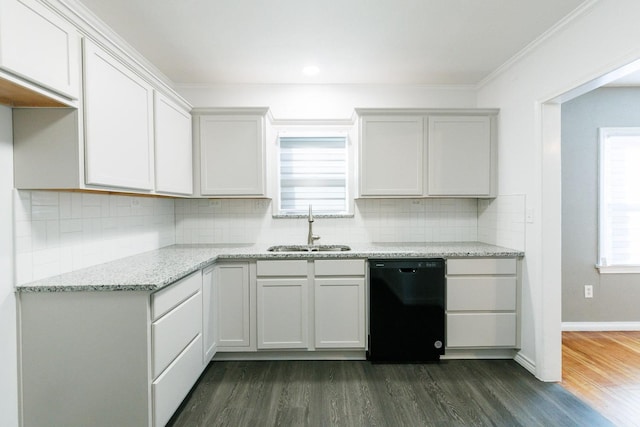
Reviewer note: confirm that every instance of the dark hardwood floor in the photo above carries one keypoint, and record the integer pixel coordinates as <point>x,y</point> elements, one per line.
<point>354,393</point>
<point>603,369</point>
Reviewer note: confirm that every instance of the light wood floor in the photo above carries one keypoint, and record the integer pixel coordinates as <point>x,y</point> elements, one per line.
<point>603,369</point>
<point>358,393</point>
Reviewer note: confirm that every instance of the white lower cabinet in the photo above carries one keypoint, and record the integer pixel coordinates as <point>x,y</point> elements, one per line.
<point>210,322</point>
<point>110,358</point>
<point>234,305</point>
<point>339,287</point>
<point>482,303</point>
<point>170,388</point>
<point>282,311</point>
<point>339,312</point>
<point>311,305</point>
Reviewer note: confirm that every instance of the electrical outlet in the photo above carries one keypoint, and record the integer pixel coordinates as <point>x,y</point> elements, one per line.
<point>588,291</point>
<point>135,202</point>
<point>215,203</point>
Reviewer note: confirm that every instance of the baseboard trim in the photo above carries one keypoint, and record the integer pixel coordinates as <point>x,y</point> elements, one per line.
<point>526,363</point>
<point>600,326</point>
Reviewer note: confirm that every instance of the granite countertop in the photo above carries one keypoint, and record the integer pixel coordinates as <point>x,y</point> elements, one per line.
<point>150,271</point>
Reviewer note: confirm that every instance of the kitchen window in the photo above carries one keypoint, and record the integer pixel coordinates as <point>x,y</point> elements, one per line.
<point>619,205</point>
<point>312,170</point>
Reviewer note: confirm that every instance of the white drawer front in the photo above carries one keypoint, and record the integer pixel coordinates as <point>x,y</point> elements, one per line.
<point>173,385</point>
<point>297,267</point>
<point>171,296</point>
<point>172,333</point>
<point>478,266</point>
<point>481,293</point>
<point>339,267</point>
<point>481,330</point>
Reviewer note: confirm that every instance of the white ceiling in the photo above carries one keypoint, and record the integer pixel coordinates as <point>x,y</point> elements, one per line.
<point>437,42</point>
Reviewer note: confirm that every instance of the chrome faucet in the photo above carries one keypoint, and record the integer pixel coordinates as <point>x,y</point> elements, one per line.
<point>311,237</point>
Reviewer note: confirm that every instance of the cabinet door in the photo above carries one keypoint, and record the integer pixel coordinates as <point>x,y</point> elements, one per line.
<point>40,46</point>
<point>460,156</point>
<point>173,148</point>
<point>118,123</point>
<point>339,312</point>
<point>233,305</point>
<point>232,155</point>
<point>282,313</point>
<point>465,330</point>
<point>391,156</point>
<point>210,301</point>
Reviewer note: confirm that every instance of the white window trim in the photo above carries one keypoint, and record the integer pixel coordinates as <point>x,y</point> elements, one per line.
<point>618,269</point>
<point>603,267</point>
<point>310,128</point>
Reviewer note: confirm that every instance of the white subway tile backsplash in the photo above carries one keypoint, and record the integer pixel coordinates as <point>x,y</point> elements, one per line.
<point>501,221</point>
<point>374,220</point>
<point>57,232</point>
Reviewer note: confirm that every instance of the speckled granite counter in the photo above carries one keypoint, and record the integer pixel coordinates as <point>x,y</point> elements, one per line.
<point>150,271</point>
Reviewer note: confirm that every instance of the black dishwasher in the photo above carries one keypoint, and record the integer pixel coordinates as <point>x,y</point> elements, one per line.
<point>406,310</point>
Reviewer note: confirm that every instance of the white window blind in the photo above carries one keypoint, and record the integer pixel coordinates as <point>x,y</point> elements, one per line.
<point>312,171</point>
<point>619,212</point>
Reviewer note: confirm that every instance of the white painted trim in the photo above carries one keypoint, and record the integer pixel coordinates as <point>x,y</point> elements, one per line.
<point>291,355</point>
<point>560,25</point>
<point>482,353</point>
<point>548,334</point>
<point>526,363</point>
<point>600,326</point>
<point>618,269</point>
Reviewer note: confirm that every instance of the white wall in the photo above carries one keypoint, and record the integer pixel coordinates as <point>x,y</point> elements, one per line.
<point>8,343</point>
<point>604,37</point>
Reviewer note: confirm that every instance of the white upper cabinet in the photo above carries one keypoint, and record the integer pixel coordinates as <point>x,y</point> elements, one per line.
<point>173,148</point>
<point>391,156</point>
<point>39,46</point>
<point>427,153</point>
<point>231,154</point>
<point>118,123</point>
<point>461,157</point>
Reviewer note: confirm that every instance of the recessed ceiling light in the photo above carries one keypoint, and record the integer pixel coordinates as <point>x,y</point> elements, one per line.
<point>310,70</point>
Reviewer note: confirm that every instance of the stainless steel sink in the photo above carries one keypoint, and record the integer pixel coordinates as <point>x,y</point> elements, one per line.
<point>309,248</point>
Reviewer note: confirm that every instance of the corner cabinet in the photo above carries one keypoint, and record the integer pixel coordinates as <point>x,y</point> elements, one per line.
<point>235,303</point>
<point>109,358</point>
<point>39,47</point>
<point>427,153</point>
<point>126,137</point>
<point>230,146</point>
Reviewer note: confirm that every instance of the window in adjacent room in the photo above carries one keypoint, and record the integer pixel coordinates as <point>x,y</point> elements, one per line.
<point>619,207</point>
<point>312,170</point>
